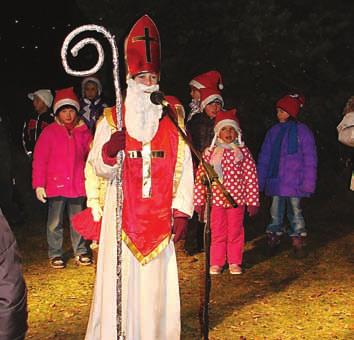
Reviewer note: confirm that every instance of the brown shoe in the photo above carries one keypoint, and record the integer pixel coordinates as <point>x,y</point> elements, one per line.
<point>299,247</point>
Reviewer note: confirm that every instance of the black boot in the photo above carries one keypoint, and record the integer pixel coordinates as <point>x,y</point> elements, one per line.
<point>299,247</point>
<point>273,242</point>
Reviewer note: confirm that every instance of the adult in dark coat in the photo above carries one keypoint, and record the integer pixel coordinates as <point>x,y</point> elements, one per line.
<point>201,130</point>
<point>13,291</point>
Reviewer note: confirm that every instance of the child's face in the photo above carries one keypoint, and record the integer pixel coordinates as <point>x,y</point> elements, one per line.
<point>282,115</point>
<point>91,90</point>
<point>147,78</point>
<point>228,134</point>
<point>39,105</point>
<point>67,115</point>
<point>212,109</point>
<point>195,94</point>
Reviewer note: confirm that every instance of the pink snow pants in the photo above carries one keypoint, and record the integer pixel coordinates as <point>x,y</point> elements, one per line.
<point>227,235</point>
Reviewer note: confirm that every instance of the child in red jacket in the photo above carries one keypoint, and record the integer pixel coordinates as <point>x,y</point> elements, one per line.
<point>58,175</point>
<point>236,170</point>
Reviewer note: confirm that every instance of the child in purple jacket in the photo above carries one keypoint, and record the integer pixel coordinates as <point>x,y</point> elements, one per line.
<point>287,170</point>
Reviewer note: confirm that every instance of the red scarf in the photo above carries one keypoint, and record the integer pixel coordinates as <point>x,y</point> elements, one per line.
<point>70,126</point>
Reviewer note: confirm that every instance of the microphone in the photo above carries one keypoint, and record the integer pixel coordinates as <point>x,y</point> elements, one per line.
<point>158,98</point>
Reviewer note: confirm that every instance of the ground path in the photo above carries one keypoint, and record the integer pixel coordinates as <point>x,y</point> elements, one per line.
<point>276,298</point>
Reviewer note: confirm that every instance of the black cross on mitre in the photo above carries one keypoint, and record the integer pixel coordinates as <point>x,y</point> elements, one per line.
<point>148,39</point>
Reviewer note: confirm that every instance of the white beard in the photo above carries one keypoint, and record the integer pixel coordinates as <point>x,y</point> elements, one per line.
<point>141,115</point>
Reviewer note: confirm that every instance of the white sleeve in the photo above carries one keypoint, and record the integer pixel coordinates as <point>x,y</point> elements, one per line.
<point>183,201</point>
<point>102,136</point>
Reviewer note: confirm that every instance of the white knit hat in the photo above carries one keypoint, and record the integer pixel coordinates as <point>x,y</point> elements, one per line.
<point>92,80</point>
<point>44,94</point>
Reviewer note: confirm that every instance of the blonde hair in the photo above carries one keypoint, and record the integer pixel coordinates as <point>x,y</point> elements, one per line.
<point>349,106</point>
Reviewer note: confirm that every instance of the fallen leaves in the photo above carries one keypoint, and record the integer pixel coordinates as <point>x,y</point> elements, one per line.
<point>268,301</point>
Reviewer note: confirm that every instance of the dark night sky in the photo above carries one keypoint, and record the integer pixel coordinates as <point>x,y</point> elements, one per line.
<point>262,48</point>
<point>31,37</point>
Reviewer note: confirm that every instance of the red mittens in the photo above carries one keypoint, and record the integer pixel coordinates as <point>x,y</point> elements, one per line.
<point>115,144</point>
<point>179,228</point>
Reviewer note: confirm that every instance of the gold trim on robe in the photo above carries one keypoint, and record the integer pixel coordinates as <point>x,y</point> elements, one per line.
<point>147,220</point>
<point>138,255</point>
<point>175,179</point>
<point>108,113</point>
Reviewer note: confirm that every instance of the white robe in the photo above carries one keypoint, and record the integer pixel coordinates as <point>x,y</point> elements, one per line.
<point>150,292</point>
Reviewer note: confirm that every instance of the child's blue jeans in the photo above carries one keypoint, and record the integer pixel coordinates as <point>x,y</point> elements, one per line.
<point>294,214</point>
<point>56,207</point>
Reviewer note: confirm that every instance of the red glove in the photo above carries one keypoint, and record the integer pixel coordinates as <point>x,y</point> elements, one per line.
<point>179,228</point>
<point>115,144</point>
<point>252,210</point>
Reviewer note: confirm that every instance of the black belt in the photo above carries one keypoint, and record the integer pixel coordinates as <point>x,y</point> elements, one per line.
<point>153,154</point>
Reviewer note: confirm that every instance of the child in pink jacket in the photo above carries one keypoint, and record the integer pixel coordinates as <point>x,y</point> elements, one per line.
<point>236,170</point>
<point>58,174</point>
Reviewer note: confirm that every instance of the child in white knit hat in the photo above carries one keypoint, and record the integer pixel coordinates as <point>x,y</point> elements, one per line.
<point>41,117</point>
<point>91,102</point>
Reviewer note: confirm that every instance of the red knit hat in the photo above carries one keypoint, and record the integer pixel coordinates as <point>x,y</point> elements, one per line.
<point>211,80</point>
<point>142,48</point>
<point>224,118</point>
<point>227,118</point>
<point>64,97</point>
<point>208,96</point>
<point>291,103</point>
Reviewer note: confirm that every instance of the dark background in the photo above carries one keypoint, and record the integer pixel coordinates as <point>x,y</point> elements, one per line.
<point>263,49</point>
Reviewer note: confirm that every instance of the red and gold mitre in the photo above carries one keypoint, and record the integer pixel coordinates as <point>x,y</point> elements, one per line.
<point>142,48</point>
